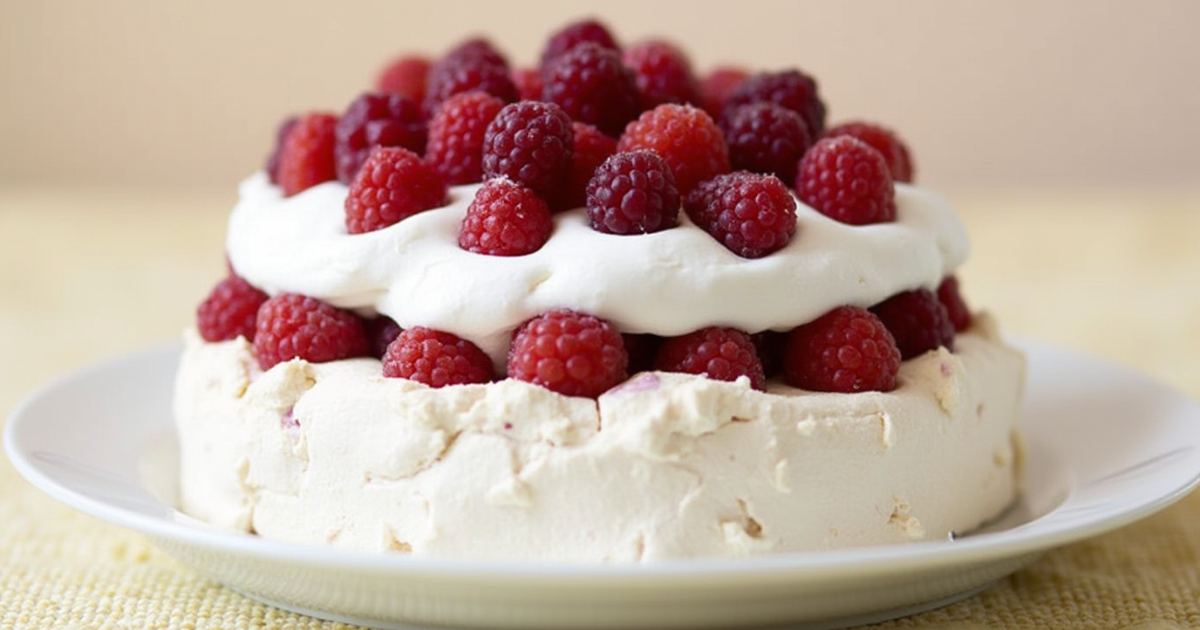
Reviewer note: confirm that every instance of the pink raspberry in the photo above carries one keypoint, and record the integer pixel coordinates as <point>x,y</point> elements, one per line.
<point>529,83</point>
<point>291,326</point>
<point>846,180</point>
<point>531,143</point>
<point>956,307</point>
<point>381,332</point>
<point>750,214</point>
<point>568,352</point>
<point>405,76</point>
<point>845,350</point>
<point>567,38</point>
<point>917,320</point>
<point>229,310</point>
<point>884,140</point>
<point>633,193</point>
<point>272,165</point>
<point>766,138</point>
<point>306,158</point>
<point>376,120</point>
<point>473,66</point>
<point>685,137</point>
<point>393,184</point>
<point>591,149</point>
<point>505,219</point>
<point>456,135</point>
<point>791,89</point>
<point>436,359</point>
<point>664,74</point>
<point>716,86</point>
<point>592,86</point>
<point>719,353</point>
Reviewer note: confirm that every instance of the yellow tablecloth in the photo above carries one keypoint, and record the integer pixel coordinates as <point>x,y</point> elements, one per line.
<point>87,275</point>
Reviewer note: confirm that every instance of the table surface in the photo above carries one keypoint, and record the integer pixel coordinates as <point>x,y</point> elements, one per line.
<point>89,274</point>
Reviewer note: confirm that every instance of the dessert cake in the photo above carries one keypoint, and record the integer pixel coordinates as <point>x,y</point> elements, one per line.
<point>599,310</point>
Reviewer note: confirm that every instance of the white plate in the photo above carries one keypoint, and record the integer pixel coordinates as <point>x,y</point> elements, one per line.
<point>1107,446</point>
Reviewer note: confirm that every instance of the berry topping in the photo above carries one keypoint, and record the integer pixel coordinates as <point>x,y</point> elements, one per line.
<point>716,87</point>
<point>917,320</point>
<point>633,193</point>
<point>381,332</point>
<point>791,89</point>
<point>436,358</point>
<point>405,76</point>
<point>568,352</point>
<point>846,180</point>
<point>393,184</point>
<point>306,158</point>
<point>572,35</point>
<point>750,214</point>
<point>376,120</point>
<point>473,66</point>
<point>456,136</point>
<point>956,307</point>
<point>592,85</point>
<point>685,137</point>
<point>530,143</point>
<point>845,350</point>
<point>272,165</point>
<point>884,140</point>
<point>505,219</point>
<point>229,310</point>
<point>294,326</point>
<point>766,138</point>
<point>529,83</point>
<point>664,74</point>
<point>718,353</point>
<point>591,149</point>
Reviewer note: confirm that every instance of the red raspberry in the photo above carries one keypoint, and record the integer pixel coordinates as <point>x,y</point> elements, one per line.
<point>529,83</point>
<point>376,120</point>
<point>297,326</point>
<point>716,87</point>
<point>917,320</point>
<point>685,137</point>
<point>956,307</point>
<point>591,149</point>
<point>770,345</point>
<point>381,332</point>
<point>766,138</point>
<point>633,193</point>
<point>664,74</point>
<point>845,350</point>
<point>479,48</point>
<point>306,158</point>
<point>592,85</point>
<point>466,69</point>
<point>272,165</point>
<point>884,140</point>
<point>393,184</point>
<point>572,35</point>
<point>719,353</point>
<point>531,143</point>
<point>229,310</point>
<point>405,76</point>
<point>436,359</point>
<point>750,214</point>
<point>456,136</point>
<point>846,180</point>
<point>568,352</point>
<point>505,219</point>
<point>641,348</point>
<point>791,89</point>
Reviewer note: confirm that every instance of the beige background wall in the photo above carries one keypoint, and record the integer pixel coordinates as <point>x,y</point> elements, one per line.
<point>137,93</point>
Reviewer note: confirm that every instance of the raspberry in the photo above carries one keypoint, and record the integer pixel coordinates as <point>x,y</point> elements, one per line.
<point>592,85</point>
<point>272,165</point>
<point>405,76</point>
<point>505,219</point>
<point>393,184</point>
<point>633,193</point>
<point>791,89</point>
<point>956,308</point>
<point>719,353</point>
<point>766,138</point>
<point>716,86</point>
<point>884,140</point>
<point>436,358</point>
<point>473,66</point>
<point>750,214</point>
<point>478,48</point>
<point>293,326</point>
<point>530,143</point>
<point>664,74</point>
<point>591,149</point>
<point>770,344</point>
<point>845,350</point>
<point>685,137</point>
<point>568,352</point>
<point>456,132</point>
<point>384,120</point>
<point>529,83</point>
<point>641,348</point>
<point>229,310</point>
<point>917,320</point>
<point>306,158</point>
<point>846,180</point>
<point>572,35</point>
<point>381,332</point>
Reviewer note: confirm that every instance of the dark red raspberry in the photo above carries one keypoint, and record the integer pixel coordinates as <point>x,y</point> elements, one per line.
<point>381,332</point>
<point>405,76</point>
<point>591,149</point>
<point>436,359</point>
<point>770,345</point>
<point>505,219</point>
<point>272,165</point>
<point>376,120</point>
<point>845,350</point>
<point>664,74</point>
<point>456,133</point>
<point>956,307</point>
<point>716,87</point>
<point>750,214</point>
<point>685,137</point>
<point>572,35</point>
<point>766,138</point>
<point>393,184</point>
<point>633,193</point>
<point>479,48</point>
<point>468,70</point>
<point>306,158</point>
<point>229,310</point>
<point>719,353</point>
<point>884,140</point>
<point>845,179</point>
<point>529,83</point>
<point>641,348</point>
<point>293,326</point>
<point>791,89</point>
<point>531,143</point>
<point>568,352</point>
<point>592,85</point>
<point>917,320</point>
